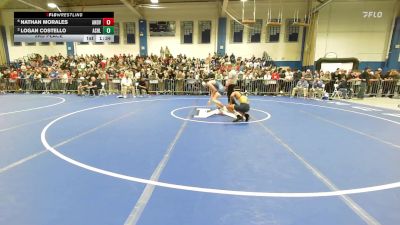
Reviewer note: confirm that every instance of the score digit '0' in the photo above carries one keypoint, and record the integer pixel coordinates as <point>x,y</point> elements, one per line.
<point>108,21</point>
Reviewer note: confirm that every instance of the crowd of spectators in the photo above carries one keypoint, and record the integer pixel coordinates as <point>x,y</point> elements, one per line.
<point>88,72</point>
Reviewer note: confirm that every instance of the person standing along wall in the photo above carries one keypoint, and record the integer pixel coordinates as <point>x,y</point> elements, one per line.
<point>231,82</point>
<point>364,81</point>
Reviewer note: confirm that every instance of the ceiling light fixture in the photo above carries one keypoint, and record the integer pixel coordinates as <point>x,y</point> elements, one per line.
<point>151,6</point>
<point>52,5</point>
<point>154,1</point>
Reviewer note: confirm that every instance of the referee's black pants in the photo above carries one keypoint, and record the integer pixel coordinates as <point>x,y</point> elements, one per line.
<point>229,91</point>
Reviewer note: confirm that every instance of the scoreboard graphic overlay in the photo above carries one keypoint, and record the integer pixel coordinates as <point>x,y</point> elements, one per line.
<point>64,26</point>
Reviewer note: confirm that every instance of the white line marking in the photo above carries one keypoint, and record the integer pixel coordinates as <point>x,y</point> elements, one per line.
<point>41,107</point>
<point>40,120</point>
<point>337,103</point>
<point>347,200</point>
<point>30,157</point>
<point>21,161</point>
<point>352,130</point>
<point>391,114</point>
<point>217,122</point>
<point>140,205</point>
<point>328,107</point>
<point>366,108</point>
<point>28,123</point>
<point>213,190</point>
<point>341,103</point>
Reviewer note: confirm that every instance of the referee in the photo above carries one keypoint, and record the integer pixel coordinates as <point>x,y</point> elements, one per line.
<point>364,82</point>
<point>231,83</point>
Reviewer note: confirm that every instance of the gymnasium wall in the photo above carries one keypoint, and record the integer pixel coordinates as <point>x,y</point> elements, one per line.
<point>16,52</point>
<point>121,15</point>
<point>279,51</point>
<point>344,32</point>
<point>184,12</point>
<point>282,51</point>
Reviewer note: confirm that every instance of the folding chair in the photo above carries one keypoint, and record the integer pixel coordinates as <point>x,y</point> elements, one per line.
<point>336,93</point>
<point>46,83</point>
<point>103,90</point>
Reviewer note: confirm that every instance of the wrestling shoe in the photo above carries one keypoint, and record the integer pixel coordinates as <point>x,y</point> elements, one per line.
<point>247,116</point>
<point>238,119</point>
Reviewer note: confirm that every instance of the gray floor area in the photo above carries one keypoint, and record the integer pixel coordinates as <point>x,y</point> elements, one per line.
<point>387,103</point>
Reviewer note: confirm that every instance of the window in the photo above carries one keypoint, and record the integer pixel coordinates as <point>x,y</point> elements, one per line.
<point>59,43</point>
<point>116,33</point>
<point>205,32</point>
<point>187,32</point>
<point>130,33</point>
<point>30,43</point>
<point>273,32</point>
<point>12,37</point>
<point>44,43</point>
<point>255,32</point>
<point>292,32</point>
<point>237,32</point>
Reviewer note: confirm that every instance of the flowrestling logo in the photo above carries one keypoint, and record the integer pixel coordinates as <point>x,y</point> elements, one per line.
<point>372,14</point>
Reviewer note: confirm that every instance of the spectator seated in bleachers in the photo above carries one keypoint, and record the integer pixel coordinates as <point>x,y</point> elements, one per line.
<point>301,86</point>
<point>317,88</point>
<point>94,86</point>
<point>308,76</point>
<point>176,75</point>
<point>142,85</point>
<point>127,84</point>
<point>344,88</point>
<point>2,84</point>
<point>83,86</point>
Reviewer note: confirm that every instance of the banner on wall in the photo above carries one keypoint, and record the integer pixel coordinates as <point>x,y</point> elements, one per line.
<point>331,67</point>
<point>331,64</point>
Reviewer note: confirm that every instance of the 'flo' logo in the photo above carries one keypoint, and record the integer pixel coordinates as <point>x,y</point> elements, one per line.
<point>373,14</point>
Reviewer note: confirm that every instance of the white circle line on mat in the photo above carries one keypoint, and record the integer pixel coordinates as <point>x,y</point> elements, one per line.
<point>203,189</point>
<point>218,122</point>
<point>36,108</point>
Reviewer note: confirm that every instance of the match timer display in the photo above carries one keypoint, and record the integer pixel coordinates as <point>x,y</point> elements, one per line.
<point>64,26</point>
